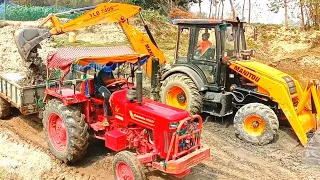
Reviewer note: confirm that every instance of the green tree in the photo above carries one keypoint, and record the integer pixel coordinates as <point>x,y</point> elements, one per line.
<point>275,6</point>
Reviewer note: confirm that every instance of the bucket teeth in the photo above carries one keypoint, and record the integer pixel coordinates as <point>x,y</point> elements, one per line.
<point>311,154</point>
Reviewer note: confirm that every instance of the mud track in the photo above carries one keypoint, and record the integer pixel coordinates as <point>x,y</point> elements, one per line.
<point>231,157</point>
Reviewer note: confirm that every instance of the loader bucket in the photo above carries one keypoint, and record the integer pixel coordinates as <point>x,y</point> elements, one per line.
<point>27,41</point>
<point>311,154</point>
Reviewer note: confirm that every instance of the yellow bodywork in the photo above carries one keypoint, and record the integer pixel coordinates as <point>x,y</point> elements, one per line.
<point>112,13</point>
<point>271,82</point>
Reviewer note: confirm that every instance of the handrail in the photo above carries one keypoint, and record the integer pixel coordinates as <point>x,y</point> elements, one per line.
<point>175,139</point>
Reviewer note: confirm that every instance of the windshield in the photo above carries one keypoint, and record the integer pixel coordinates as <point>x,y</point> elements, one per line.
<point>182,44</point>
<point>228,35</point>
<point>205,48</point>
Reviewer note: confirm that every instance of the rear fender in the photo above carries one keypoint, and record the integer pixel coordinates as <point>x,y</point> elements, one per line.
<point>68,99</point>
<point>190,73</point>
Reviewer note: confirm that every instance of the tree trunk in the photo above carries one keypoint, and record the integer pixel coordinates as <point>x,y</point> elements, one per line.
<point>219,10</point>
<point>249,17</point>
<point>233,10</point>
<point>215,9</point>
<point>200,6</point>
<point>302,14</point>
<point>210,8</point>
<point>222,9</point>
<point>244,3</point>
<point>286,13</point>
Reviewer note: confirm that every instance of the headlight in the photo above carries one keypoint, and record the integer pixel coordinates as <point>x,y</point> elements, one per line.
<point>173,125</point>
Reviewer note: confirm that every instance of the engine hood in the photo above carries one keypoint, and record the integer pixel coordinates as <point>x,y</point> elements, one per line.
<point>150,112</point>
<point>262,69</point>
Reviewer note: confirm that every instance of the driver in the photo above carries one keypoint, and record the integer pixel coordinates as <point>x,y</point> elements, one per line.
<point>104,78</point>
<point>205,43</point>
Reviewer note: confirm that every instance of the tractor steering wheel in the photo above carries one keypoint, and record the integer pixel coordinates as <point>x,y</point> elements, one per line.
<point>119,82</point>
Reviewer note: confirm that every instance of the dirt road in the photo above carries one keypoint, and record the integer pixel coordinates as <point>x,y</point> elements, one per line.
<point>23,149</point>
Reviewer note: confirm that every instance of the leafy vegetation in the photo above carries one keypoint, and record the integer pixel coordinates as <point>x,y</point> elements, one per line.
<point>31,13</point>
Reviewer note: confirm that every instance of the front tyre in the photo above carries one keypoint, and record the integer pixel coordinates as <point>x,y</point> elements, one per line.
<point>66,131</point>
<point>127,167</point>
<point>256,123</point>
<point>178,90</point>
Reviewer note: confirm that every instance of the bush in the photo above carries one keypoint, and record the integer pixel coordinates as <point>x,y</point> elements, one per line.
<point>153,16</point>
<point>28,13</point>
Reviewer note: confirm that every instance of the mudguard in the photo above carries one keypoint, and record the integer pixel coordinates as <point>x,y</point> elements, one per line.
<point>189,72</point>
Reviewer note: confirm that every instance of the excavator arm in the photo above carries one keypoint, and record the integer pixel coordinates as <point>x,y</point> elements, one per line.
<point>28,40</point>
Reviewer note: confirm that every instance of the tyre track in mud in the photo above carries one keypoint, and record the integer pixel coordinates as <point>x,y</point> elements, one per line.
<point>234,158</point>
<point>231,157</point>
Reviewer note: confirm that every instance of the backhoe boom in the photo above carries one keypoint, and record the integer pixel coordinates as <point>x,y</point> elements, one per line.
<point>100,14</point>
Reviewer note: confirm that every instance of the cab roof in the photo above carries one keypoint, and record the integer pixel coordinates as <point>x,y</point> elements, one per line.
<point>203,21</point>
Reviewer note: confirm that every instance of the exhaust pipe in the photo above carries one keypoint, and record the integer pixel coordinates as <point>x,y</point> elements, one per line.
<point>139,83</point>
<point>27,41</point>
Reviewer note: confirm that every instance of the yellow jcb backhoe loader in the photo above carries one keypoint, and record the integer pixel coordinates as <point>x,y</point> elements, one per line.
<point>213,73</point>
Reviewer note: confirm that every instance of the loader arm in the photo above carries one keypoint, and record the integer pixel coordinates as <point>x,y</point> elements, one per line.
<point>301,108</point>
<point>100,14</point>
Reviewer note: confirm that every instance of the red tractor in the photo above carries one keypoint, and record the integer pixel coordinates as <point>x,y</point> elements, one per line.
<point>142,131</point>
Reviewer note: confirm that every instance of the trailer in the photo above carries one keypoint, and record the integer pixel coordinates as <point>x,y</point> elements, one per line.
<point>27,99</point>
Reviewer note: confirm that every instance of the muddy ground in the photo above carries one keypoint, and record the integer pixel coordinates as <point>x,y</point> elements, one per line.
<point>23,150</point>
<point>24,153</point>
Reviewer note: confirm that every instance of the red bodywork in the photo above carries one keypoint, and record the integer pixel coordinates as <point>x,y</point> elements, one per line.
<point>133,125</point>
<point>164,137</point>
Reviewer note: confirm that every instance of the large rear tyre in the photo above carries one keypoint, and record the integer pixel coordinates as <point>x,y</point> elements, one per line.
<point>66,131</point>
<point>5,108</point>
<point>178,90</point>
<point>256,123</point>
<point>127,167</point>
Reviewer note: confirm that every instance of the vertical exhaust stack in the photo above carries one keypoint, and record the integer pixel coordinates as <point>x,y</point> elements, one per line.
<point>139,83</point>
<point>155,78</point>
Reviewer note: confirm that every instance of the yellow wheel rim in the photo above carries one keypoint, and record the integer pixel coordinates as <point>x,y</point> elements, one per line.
<point>176,97</point>
<point>254,125</point>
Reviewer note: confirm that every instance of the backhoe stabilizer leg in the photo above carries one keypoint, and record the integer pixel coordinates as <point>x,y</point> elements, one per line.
<point>28,40</point>
<point>311,154</point>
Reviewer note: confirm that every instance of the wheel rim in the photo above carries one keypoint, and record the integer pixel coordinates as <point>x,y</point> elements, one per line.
<point>254,125</point>
<point>57,132</point>
<point>176,97</point>
<point>124,172</point>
